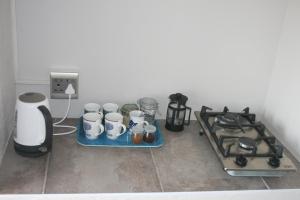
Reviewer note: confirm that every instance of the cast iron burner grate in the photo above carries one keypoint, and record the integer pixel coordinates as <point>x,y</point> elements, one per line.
<point>240,121</point>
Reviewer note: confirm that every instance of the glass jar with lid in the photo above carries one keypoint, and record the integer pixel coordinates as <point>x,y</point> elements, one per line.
<point>149,106</point>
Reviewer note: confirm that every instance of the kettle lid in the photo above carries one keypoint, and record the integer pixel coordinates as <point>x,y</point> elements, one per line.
<point>32,97</point>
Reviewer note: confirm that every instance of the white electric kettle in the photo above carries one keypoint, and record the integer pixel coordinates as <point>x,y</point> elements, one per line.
<point>34,125</point>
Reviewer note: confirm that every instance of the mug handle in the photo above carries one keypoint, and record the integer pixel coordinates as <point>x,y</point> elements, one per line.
<point>101,129</point>
<point>146,123</point>
<point>101,114</point>
<point>124,129</point>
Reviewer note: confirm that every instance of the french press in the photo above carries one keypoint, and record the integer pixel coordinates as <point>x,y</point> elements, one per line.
<point>176,112</point>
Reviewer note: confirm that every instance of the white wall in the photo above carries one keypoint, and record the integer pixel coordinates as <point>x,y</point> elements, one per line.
<point>283,100</point>
<point>216,52</point>
<point>7,81</point>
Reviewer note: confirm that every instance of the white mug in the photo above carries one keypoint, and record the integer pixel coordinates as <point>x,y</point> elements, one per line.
<point>137,117</point>
<point>92,125</point>
<point>92,107</point>
<point>110,108</point>
<point>114,126</point>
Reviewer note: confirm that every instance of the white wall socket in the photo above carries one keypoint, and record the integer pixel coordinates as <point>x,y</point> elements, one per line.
<point>59,82</point>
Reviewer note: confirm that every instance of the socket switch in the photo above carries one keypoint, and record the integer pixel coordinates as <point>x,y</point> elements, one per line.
<point>59,82</point>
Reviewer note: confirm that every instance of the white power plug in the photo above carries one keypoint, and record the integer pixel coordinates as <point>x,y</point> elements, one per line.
<point>70,89</point>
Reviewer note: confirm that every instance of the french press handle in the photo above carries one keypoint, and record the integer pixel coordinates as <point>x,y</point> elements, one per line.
<point>188,121</point>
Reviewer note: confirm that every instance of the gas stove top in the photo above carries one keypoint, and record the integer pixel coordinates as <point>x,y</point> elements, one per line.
<point>244,146</point>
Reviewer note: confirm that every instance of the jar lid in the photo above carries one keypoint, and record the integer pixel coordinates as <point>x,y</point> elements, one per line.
<point>148,103</point>
<point>126,108</point>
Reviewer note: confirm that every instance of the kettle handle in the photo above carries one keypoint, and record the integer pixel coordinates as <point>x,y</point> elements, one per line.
<point>188,121</point>
<point>47,144</point>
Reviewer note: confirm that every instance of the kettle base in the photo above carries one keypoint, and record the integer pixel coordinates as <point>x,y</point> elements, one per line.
<point>30,151</point>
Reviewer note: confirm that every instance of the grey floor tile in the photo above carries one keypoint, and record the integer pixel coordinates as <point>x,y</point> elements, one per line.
<point>187,162</point>
<point>77,169</point>
<point>289,181</point>
<point>20,175</point>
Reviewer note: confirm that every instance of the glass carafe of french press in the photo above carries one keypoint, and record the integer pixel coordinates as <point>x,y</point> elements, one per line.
<point>176,112</point>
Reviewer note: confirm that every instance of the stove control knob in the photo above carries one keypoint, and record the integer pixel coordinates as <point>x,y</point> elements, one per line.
<point>274,162</point>
<point>241,160</point>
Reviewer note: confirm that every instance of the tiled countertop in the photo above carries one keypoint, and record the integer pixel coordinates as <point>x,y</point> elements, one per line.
<point>185,163</point>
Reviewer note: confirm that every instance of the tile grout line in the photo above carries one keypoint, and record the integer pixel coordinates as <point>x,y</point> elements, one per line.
<point>46,173</point>
<point>265,183</point>
<point>157,171</point>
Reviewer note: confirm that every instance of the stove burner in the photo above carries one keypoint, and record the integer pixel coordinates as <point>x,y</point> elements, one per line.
<point>247,143</point>
<point>231,121</point>
<point>228,118</point>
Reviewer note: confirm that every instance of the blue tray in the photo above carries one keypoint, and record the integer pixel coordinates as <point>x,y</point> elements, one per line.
<point>122,141</point>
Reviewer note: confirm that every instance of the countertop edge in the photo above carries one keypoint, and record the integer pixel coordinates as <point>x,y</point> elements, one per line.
<point>210,195</point>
